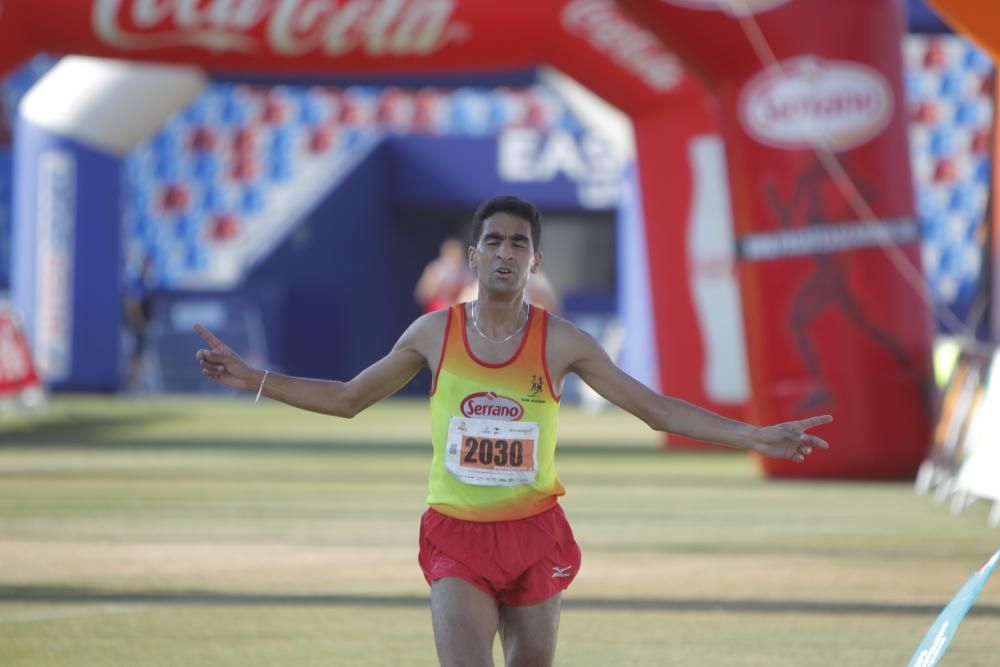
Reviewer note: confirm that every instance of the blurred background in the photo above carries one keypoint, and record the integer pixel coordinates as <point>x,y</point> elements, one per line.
<point>750,243</point>
<point>773,209</point>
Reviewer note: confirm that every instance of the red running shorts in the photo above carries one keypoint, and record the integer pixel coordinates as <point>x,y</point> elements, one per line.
<point>520,562</point>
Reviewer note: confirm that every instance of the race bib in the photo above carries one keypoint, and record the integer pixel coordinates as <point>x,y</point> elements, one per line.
<point>490,452</point>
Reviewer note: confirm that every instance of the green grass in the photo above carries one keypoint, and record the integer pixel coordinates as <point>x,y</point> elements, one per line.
<point>216,532</point>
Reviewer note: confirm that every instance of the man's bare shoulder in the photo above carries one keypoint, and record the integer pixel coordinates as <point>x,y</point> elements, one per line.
<point>426,332</point>
<point>563,332</point>
<point>568,342</point>
<point>432,322</point>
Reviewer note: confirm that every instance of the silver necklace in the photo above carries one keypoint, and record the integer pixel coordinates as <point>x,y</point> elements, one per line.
<point>475,315</point>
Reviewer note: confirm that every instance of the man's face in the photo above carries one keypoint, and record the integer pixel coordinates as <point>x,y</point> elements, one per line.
<point>505,255</point>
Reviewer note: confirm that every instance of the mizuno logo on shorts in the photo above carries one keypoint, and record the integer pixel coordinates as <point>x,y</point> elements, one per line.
<point>561,571</point>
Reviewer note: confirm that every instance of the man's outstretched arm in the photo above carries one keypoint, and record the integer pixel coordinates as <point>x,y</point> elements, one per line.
<point>788,440</point>
<point>341,399</point>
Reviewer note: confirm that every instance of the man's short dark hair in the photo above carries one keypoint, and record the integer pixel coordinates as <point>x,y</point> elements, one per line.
<point>513,206</point>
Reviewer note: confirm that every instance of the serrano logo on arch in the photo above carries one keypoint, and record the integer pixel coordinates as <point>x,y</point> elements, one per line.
<point>808,102</point>
<point>743,8</point>
<point>493,406</point>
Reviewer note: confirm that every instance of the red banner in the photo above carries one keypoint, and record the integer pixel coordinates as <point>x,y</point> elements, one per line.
<point>284,35</point>
<point>17,371</point>
<point>817,151</point>
<point>696,308</point>
<point>593,40</point>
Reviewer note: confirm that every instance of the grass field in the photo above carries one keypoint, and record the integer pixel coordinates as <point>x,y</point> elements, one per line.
<point>212,532</point>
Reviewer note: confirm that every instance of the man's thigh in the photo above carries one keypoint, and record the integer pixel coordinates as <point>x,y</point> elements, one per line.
<point>465,623</point>
<point>529,632</point>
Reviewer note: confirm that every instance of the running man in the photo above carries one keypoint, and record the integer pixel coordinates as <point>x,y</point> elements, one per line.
<point>495,546</point>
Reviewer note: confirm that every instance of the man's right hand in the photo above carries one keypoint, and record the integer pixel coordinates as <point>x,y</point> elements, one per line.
<point>223,365</point>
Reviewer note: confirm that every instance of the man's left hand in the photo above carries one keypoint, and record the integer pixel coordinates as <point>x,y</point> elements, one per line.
<point>789,440</point>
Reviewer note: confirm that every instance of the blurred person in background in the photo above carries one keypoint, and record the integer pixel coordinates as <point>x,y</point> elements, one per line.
<point>138,305</point>
<point>445,278</point>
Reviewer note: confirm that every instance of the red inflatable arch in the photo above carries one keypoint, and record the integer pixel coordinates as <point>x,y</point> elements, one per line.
<point>805,93</point>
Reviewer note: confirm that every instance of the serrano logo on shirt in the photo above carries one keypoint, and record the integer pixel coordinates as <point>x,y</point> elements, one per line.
<point>489,404</point>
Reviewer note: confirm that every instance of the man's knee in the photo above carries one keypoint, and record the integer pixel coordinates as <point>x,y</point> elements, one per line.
<point>530,642</point>
<point>529,652</point>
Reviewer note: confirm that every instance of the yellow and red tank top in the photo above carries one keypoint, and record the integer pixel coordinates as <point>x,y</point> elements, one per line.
<point>493,427</point>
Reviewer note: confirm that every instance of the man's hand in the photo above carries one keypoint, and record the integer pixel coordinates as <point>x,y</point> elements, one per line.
<point>789,440</point>
<point>223,365</point>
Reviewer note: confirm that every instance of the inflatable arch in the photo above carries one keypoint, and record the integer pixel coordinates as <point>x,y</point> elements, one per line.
<point>779,261</point>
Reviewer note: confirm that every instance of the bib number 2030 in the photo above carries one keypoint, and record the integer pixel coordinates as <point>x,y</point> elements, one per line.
<point>500,452</point>
<point>487,452</point>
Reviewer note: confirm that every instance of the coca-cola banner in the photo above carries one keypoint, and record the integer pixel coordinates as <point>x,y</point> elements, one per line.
<point>819,178</point>
<point>283,35</point>
<point>600,45</point>
<point>416,34</point>
<point>593,40</point>
<point>17,371</point>
<point>696,305</point>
